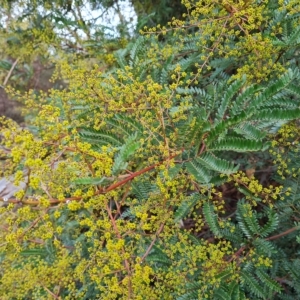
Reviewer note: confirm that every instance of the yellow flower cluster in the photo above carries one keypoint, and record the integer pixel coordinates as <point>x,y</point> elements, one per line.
<point>255,190</point>
<point>285,142</point>
<point>226,19</point>
<point>78,226</point>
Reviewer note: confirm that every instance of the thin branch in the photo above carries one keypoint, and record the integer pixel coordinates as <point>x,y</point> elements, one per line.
<point>277,236</point>
<point>153,241</point>
<point>133,175</point>
<point>274,237</point>
<point>10,72</point>
<point>51,293</point>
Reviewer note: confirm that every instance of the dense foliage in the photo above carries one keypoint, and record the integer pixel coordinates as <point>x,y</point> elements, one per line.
<point>172,172</point>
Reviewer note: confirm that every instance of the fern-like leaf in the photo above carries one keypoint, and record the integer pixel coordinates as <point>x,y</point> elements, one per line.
<point>264,246</point>
<point>247,220</point>
<point>186,207</point>
<point>266,280</point>
<point>130,122</point>
<point>229,292</point>
<point>243,99</point>
<point>192,291</point>
<point>277,114</point>
<point>127,214</point>
<point>158,256</point>
<point>99,137</point>
<point>235,292</point>
<point>128,149</point>
<point>211,219</point>
<point>137,47</point>
<point>237,145</point>
<point>216,132</point>
<point>253,284</point>
<point>235,237</point>
<point>200,173</point>
<point>250,132</point>
<point>221,294</point>
<point>214,163</point>
<point>273,89</point>
<point>91,181</point>
<point>271,225</point>
<point>230,92</point>
<point>142,189</point>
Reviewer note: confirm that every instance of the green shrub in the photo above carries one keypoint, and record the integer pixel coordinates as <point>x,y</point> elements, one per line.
<point>172,176</point>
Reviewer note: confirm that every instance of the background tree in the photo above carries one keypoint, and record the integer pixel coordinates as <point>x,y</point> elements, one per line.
<point>151,13</point>
<point>34,34</point>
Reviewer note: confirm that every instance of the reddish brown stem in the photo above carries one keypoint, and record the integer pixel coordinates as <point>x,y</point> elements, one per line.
<point>277,236</point>
<point>153,241</point>
<point>237,254</point>
<point>102,191</point>
<point>132,176</point>
<point>274,237</point>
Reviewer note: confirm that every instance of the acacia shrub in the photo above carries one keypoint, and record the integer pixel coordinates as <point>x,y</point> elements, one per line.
<point>127,172</point>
